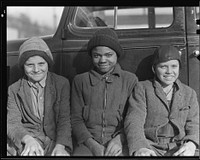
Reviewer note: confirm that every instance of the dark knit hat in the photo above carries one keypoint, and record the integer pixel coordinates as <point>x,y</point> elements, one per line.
<point>166,53</point>
<point>105,37</point>
<point>33,47</point>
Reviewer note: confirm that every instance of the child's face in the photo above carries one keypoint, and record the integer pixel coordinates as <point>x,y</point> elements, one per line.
<point>36,68</point>
<point>167,72</point>
<point>104,59</point>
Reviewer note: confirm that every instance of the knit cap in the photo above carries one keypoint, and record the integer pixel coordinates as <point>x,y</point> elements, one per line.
<point>105,37</point>
<point>166,53</point>
<point>34,46</point>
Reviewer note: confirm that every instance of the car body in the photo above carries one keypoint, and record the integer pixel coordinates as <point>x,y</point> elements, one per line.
<point>69,43</point>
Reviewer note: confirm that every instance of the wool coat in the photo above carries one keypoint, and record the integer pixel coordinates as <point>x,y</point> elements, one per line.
<point>149,111</point>
<point>56,124</point>
<point>98,104</point>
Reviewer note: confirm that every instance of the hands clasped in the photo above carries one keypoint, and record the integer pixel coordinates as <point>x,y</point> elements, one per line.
<point>145,152</point>
<point>187,149</point>
<point>114,147</point>
<point>59,150</point>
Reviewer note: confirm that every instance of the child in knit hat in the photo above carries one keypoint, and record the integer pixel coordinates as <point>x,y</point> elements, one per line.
<point>99,99</point>
<point>38,119</point>
<point>163,116</point>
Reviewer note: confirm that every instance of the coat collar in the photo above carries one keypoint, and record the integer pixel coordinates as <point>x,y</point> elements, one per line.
<point>42,83</point>
<point>177,99</point>
<point>95,77</point>
<point>49,95</point>
<point>177,83</point>
<point>25,95</point>
<point>160,93</point>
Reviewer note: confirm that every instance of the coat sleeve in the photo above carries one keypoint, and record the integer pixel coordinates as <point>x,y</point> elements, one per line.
<point>15,129</point>
<point>64,124</point>
<point>192,122</point>
<point>79,128</point>
<point>135,120</point>
<point>132,80</point>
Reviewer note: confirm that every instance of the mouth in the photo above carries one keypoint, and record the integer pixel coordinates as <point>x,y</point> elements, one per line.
<point>169,77</point>
<point>37,74</point>
<point>103,66</point>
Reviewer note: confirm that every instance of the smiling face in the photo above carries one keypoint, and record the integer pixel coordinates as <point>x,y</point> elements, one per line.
<point>167,72</point>
<point>36,68</point>
<point>104,59</point>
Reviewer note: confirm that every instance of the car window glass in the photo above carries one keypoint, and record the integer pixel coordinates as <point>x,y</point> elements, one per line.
<point>24,22</point>
<point>163,16</point>
<point>94,17</point>
<point>196,12</point>
<point>124,17</point>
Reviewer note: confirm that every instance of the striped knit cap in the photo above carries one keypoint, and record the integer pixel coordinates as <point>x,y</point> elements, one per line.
<point>34,46</point>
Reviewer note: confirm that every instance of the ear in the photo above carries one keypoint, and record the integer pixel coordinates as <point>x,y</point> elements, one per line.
<point>153,69</point>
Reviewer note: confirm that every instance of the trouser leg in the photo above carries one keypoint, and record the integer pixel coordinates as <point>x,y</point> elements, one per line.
<point>196,153</point>
<point>49,148</point>
<point>11,150</point>
<point>125,151</point>
<point>81,150</point>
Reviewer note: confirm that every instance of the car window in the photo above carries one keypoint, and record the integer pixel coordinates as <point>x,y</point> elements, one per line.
<point>196,12</point>
<point>124,17</point>
<point>24,22</point>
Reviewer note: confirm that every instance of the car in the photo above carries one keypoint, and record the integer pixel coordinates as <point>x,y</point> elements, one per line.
<point>140,30</point>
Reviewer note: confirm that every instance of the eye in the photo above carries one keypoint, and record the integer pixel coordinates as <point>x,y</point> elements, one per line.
<point>41,63</point>
<point>174,66</point>
<point>108,55</point>
<point>29,65</point>
<point>95,55</point>
<point>163,66</point>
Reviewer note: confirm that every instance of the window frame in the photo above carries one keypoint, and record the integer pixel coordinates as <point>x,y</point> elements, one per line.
<point>72,32</point>
<point>115,25</point>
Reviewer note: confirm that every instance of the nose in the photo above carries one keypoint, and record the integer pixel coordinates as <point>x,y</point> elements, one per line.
<point>169,69</point>
<point>102,59</point>
<point>36,69</point>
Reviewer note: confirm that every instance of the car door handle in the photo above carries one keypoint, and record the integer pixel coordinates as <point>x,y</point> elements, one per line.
<point>196,53</point>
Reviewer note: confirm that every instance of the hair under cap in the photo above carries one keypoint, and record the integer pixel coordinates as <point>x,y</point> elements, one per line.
<point>34,46</point>
<point>166,53</point>
<point>105,37</point>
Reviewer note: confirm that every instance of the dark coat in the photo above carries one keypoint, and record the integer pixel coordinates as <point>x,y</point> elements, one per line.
<point>98,105</point>
<point>149,111</point>
<point>56,124</point>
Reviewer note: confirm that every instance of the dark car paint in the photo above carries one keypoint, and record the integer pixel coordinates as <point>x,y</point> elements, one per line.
<point>68,46</point>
